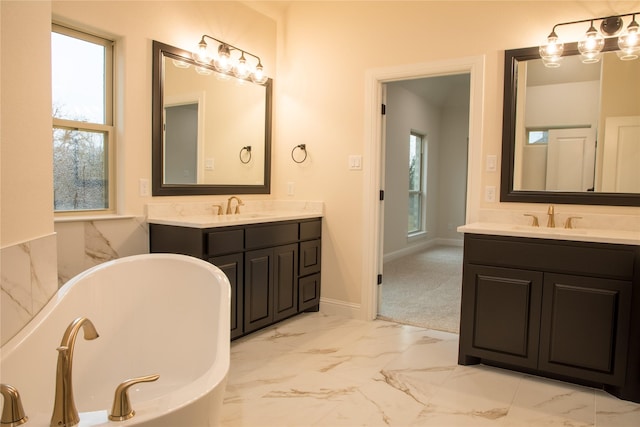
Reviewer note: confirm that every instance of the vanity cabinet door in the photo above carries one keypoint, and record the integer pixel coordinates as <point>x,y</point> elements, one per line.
<point>258,289</point>
<point>233,267</point>
<point>285,281</point>
<point>271,291</point>
<point>584,327</point>
<point>500,317</point>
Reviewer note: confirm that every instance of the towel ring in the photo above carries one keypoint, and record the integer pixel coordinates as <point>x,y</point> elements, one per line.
<point>302,147</point>
<point>248,150</point>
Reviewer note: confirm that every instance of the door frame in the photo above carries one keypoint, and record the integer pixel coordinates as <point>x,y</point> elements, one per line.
<point>373,149</point>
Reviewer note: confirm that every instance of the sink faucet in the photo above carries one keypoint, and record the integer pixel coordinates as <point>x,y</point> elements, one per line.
<point>237,205</point>
<point>551,222</point>
<point>12,411</point>
<point>65,413</point>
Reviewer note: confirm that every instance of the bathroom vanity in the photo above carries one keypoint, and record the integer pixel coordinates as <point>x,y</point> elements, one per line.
<point>273,265</point>
<point>561,308</point>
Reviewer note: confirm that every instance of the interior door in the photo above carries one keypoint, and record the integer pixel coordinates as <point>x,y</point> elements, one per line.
<point>571,157</point>
<point>621,155</point>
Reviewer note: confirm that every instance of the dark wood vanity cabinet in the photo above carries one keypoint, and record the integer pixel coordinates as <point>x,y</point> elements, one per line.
<point>563,309</point>
<point>273,268</point>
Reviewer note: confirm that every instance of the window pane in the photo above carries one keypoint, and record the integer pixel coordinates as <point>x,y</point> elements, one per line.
<point>538,137</point>
<point>415,155</point>
<point>79,170</point>
<point>414,212</point>
<point>78,79</point>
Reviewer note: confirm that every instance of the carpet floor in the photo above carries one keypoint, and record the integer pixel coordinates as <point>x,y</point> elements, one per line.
<point>424,289</point>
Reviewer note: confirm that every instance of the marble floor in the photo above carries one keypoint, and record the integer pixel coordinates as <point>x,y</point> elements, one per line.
<point>321,370</point>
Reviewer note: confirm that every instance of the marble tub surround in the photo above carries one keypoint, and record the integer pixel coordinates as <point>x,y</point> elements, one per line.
<point>204,215</point>
<point>29,280</point>
<point>623,229</point>
<point>321,370</point>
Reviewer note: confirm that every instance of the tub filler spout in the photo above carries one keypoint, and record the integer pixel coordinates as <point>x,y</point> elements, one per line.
<point>65,413</point>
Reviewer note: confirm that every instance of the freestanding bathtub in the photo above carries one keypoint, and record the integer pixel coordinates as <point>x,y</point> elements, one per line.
<point>155,314</point>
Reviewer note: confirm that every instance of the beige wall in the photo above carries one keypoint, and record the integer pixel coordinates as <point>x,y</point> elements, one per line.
<point>26,195</point>
<point>322,51</point>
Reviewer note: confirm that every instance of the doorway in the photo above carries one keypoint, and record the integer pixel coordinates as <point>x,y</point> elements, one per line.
<point>425,144</point>
<point>373,220</point>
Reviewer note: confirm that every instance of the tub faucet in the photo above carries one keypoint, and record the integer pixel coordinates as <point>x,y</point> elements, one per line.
<point>551,222</point>
<point>65,413</point>
<point>12,412</point>
<point>237,205</point>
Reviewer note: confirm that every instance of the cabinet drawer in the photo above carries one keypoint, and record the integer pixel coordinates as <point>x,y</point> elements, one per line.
<point>271,235</point>
<point>310,230</point>
<point>225,242</point>
<point>558,256</point>
<point>308,292</point>
<point>309,257</point>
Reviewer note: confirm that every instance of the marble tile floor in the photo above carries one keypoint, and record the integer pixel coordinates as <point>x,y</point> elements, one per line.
<point>322,370</point>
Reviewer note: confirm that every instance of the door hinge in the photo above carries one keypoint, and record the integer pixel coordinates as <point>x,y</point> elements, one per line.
<point>381,195</point>
<point>379,279</point>
<point>384,109</point>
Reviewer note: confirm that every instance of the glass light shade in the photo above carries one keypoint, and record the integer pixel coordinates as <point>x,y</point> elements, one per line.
<point>203,71</point>
<point>222,62</point>
<point>258,75</point>
<point>591,46</point>
<point>551,51</point>
<point>201,54</point>
<point>179,63</point>
<point>241,69</point>
<point>629,43</point>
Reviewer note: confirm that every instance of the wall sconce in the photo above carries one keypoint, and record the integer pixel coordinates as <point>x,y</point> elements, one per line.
<point>591,45</point>
<point>224,62</point>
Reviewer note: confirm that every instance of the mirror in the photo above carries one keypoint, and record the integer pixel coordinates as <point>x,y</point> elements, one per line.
<point>571,134</point>
<point>211,133</point>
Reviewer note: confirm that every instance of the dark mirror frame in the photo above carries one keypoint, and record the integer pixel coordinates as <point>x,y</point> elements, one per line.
<point>159,188</point>
<point>507,193</point>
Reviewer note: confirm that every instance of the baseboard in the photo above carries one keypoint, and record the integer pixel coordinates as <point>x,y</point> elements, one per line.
<point>340,308</point>
<point>410,250</point>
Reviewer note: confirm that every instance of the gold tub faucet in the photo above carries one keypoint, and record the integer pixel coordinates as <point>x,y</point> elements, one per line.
<point>65,413</point>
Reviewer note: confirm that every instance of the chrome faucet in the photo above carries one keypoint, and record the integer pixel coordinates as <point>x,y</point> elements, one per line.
<point>551,222</point>
<point>65,413</point>
<point>237,210</point>
<point>12,411</point>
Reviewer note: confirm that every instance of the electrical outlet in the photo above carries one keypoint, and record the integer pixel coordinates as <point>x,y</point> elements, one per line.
<point>290,188</point>
<point>490,193</point>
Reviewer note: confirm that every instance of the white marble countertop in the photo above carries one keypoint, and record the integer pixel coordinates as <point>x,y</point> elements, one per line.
<point>202,215</point>
<point>626,237</point>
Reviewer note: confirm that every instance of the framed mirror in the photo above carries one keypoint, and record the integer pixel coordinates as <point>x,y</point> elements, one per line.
<point>571,134</point>
<point>211,133</point>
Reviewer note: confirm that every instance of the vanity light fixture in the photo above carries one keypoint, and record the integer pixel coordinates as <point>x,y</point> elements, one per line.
<point>591,45</point>
<point>224,62</point>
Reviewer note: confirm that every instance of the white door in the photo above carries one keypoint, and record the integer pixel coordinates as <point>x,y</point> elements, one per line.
<point>571,157</point>
<point>621,155</point>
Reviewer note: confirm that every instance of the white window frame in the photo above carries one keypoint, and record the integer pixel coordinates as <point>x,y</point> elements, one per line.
<point>421,192</point>
<point>108,128</point>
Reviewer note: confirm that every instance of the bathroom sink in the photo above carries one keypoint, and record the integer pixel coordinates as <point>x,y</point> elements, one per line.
<point>547,230</point>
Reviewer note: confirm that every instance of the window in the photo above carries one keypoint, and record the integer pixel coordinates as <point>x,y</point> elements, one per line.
<point>538,136</point>
<point>83,147</point>
<point>416,183</point>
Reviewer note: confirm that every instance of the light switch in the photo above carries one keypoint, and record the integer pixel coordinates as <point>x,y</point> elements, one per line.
<point>492,162</point>
<point>208,164</point>
<point>490,193</point>
<point>355,162</point>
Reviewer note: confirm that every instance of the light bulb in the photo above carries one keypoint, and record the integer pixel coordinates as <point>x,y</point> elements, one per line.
<point>629,43</point>
<point>551,51</point>
<point>223,61</point>
<point>591,45</point>
<point>241,70</point>
<point>201,54</point>
<point>258,75</point>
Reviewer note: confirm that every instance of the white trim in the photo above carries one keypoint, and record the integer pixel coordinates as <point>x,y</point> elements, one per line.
<point>339,308</point>
<point>372,171</point>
